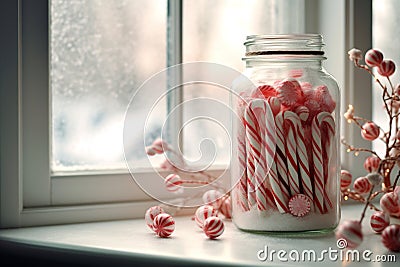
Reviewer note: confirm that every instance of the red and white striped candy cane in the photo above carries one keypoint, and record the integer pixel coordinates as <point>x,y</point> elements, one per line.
<point>266,121</point>
<point>253,152</point>
<point>278,174</point>
<point>257,112</point>
<point>297,157</point>
<point>242,184</point>
<point>321,154</point>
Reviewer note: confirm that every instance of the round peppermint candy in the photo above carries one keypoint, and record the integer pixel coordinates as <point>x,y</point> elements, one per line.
<point>387,68</point>
<point>289,92</point>
<point>390,203</point>
<point>345,179</point>
<point>371,163</point>
<point>373,58</point>
<point>299,205</point>
<point>391,237</point>
<point>379,221</point>
<point>164,225</point>
<point>362,185</point>
<point>350,232</point>
<point>324,98</point>
<point>370,131</point>
<point>202,213</point>
<point>266,90</point>
<point>213,227</point>
<point>150,214</point>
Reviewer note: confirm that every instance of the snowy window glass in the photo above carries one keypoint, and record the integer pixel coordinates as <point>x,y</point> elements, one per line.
<point>103,50</point>
<point>386,37</point>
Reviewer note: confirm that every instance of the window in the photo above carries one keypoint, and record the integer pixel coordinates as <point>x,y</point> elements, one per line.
<point>100,52</point>
<point>386,36</point>
<point>45,182</point>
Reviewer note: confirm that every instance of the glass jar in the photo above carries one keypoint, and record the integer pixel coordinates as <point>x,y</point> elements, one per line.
<point>285,164</point>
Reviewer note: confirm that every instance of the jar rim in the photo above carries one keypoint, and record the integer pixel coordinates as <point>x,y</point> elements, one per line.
<point>310,38</point>
<point>284,45</point>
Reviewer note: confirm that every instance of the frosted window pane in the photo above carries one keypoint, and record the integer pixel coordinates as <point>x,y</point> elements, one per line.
<point>214,31</point>
<point>101,52</point>
<point>386,36</point>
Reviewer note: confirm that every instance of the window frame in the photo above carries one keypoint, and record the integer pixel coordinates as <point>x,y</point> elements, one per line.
<point>29,194</point>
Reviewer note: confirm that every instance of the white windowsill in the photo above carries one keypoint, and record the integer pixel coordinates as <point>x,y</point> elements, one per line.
<point>132,241</point>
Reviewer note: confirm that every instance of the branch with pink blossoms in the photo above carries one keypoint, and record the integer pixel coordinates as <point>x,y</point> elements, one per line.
<point>379,167</point>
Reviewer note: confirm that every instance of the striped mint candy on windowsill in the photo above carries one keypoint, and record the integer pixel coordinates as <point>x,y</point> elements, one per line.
<point>164,225</point>
<point>213,227</point>
<point>202,213</point>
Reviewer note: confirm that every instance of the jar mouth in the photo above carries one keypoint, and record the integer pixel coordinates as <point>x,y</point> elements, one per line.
<point>284,44</point>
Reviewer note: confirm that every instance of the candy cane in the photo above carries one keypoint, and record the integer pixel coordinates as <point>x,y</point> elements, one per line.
<point>321,167</point>
<point>278,173</point>
<point>253,148</point>
<point>266,124</point>
<point>242,185</point>
<point>298,169</point>
<point>255,115</point>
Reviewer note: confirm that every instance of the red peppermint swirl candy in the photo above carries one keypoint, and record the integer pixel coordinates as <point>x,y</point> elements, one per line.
<point>266,90</point>
<point>173,183</point>
<point>289,92</point>
<point>373,58</point>
<point>379,221</point>
<point>299,205</point>
<point>213,227</point>
<point>345,179</point>
<point>150,214</point>
<point>351,232</point>
<point>370,131</point>
<point>391,237</point>
<point>324,98</point>
<point>361,185</point>
<point>226,208</point>
<point>202,213</point>
<point>371,163</point>
<point>387,68</point>
<point>164,225</point>
<point>390,203</point>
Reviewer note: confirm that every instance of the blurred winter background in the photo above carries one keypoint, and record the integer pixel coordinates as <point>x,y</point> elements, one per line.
<point>386,37</point>
<point>103,50</point>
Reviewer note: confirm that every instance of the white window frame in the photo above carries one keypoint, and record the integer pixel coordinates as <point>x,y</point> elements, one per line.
<point>29,195</point>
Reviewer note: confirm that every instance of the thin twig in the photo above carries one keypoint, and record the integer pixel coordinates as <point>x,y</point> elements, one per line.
<point>355,149</point>
<point>396,180</point>
<point>366,204</point>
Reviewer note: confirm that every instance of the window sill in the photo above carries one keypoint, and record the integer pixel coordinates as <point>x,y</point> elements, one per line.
<point>129,242</point>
